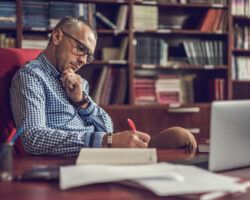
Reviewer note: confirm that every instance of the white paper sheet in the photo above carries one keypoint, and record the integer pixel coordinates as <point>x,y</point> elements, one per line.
<point>162,179</point>
<point>73,176</point>
<point>196,180</point>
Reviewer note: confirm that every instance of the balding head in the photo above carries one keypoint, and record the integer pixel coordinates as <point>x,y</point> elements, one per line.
<point>72,44</point>
<point>73,23</point>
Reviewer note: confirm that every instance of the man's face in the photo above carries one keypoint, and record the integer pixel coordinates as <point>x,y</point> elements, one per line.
<point>75,48</point>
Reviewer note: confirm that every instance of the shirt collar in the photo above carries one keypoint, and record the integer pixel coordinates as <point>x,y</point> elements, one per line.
<point>48,66</point>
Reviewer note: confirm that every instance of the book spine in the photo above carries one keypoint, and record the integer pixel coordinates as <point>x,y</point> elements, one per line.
<point>105,20</point>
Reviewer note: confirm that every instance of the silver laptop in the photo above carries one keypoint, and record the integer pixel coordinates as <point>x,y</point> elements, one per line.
<point>229,135</point>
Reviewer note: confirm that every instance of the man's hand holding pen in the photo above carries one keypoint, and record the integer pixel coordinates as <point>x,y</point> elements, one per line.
<point>132,139</point>
<point>129,139</point>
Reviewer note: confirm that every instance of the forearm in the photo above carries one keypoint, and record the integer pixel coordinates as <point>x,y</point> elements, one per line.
<point>94,115</point>
<point>46,141</point>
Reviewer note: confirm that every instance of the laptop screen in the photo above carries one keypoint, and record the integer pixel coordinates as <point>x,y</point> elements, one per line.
<point>229,135</point>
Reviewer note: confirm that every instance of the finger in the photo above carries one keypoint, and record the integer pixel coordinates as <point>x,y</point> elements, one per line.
<point>143,136</point>
<point>138,142</point>
<point>65,74</point>
<point>71,83</point>
<point>141,144</point>
<point>70,86</point>
<point>68,70</point>
<point>65,80</point>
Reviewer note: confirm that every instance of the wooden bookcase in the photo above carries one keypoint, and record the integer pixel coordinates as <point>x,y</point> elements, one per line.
<point>204,84</point>
<point>238,28</point>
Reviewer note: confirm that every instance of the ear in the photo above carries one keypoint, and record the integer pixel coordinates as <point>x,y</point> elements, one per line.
<point>56,36</point>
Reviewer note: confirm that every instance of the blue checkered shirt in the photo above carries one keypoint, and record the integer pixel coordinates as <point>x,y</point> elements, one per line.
<point>52,125</point>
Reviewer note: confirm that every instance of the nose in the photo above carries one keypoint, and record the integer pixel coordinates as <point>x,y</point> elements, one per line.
<point>82,60</point>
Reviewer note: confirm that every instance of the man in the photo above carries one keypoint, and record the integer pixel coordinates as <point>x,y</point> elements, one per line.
<point>51,102</point>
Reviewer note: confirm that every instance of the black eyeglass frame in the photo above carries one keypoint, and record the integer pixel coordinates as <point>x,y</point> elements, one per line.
<point>85,51</point>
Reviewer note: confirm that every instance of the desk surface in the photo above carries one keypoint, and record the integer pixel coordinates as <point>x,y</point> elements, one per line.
<point>51,190</point>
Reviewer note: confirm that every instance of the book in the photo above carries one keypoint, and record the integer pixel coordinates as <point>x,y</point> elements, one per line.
<point>123,49</point>
<point>105,20</point>
<point>203,146</point>
<point>110,53</point>
<point>106,88</point>
<point>144,91</point>
<point>174,21</point>
<point>117,156</point>
<point>99,87</point>
<point>122,16</point>
<point>142,20</point>
<point>209,20</point>
<point>120,85</point>
<point>219,16</point>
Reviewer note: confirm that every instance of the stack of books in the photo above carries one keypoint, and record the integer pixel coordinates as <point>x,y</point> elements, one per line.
<point>8,14</point>
<point>35,14</point>
<point>203,145</point>
<point>145,17</point>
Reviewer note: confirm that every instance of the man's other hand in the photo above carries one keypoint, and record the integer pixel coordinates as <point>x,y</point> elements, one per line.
<point>72,83</point>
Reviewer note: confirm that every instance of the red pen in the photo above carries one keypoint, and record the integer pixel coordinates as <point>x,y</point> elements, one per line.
<point>13,132</point>
<point>131,124</point>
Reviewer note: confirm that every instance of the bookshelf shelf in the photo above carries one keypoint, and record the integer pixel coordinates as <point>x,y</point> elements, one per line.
<point>159,67</point>
<point>114,32</point>
<point>111,62</point>
<point>37,30</point>
<point>241,51</point>
<point>179,32</point>
<point>48,30</point>
<point>187,5</point>
<point>7,28</point>
<point>97,1</point>
<point>240,17</point>
<point>241,81</point>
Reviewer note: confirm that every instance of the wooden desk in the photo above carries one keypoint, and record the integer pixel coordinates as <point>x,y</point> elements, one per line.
<point>50,190</point>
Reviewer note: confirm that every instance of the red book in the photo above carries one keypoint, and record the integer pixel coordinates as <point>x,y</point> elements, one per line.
<point>209,20</point>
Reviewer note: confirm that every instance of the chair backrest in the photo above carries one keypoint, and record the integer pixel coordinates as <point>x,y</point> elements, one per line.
<point>11,60</point>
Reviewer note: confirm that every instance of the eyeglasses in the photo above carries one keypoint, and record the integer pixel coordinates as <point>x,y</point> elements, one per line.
<point>81,48</point>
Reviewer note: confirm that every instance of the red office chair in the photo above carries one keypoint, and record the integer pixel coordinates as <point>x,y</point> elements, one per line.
<point>10,61</point>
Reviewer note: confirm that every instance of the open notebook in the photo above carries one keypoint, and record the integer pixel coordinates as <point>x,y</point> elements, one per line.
<point>117,156</point>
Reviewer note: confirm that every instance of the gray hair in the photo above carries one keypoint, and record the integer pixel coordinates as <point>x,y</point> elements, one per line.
<point>71,22</point>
